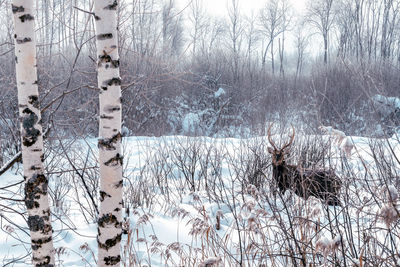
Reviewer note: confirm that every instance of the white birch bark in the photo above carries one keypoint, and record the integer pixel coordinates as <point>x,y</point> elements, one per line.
<point>36,183</point>
<point>110,158</point>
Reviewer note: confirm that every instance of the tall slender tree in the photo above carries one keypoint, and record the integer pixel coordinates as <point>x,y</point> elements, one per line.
<point>321,16</point>
<point>36,183</point>
<point>236,30</point>
<point>275,20</point>
<point>197,18</point>
<point>110,158</point>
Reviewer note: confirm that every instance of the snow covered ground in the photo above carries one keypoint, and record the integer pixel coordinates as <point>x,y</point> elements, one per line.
<point>191,199</point>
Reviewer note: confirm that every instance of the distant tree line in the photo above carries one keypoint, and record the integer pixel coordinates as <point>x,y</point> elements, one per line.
<point>319,67</point>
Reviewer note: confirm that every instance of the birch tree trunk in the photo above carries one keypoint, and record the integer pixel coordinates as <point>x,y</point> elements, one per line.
<point>36,183</point>
<point>110,158</point>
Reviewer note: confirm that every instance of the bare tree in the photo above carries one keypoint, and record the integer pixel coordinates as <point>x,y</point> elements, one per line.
<point>274,20</point>
<point>301,41</point>
<point>172,29</point>
<point>320,15</point>
<point>36,183</point>
<point>235,34</point>
<point>287,20</point>
<point>143,26</point>
<point>252,38</point>
<point>214,31</point>
<point>389,22</point>
<point>197,18</point>
<point>110,157</point>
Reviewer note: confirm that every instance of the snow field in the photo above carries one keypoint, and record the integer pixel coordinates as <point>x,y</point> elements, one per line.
<point>177,189</point>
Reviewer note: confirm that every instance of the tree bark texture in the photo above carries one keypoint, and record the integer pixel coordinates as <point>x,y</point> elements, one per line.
<point>110,157</point>
<point>36,183</point>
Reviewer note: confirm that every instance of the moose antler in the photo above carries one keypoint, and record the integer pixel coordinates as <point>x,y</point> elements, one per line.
<point>291,139</point>
<point>269,137</point>
<point>285,145</point>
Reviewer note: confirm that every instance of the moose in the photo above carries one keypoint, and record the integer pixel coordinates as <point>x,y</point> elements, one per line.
<point>320,183</point>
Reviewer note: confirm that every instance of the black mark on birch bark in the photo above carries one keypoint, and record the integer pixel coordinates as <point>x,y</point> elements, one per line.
<point>44,262</point>
<point>38,223</point>
<point>121,182</point>
<point>112,6</point>
<point>25,40</point>
<point>110,242</point>
<point>34,188</point>
<point>16,9</point>
<point>106,117</point>
<point>108,143</point>
<point>113,81</point>
<point>47,212</point>
<point>109,219</point>
<point>26,17</point>
<point>103,195</point>
<point>29,120</point>
<point>104,36</point>
<point>111,108</point>
<point>115,161</point>
<point>107,59</point>
<point>112,260</point>
<point>34,168</point>
<point>33,100</point>
<point>113,64</point>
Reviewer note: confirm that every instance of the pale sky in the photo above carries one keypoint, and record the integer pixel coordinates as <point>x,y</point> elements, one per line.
<point>247,7</point>
<point>219,7</point>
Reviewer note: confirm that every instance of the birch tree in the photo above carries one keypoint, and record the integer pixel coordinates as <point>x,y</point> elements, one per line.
<point>110,158</point>
<point>36,183</point>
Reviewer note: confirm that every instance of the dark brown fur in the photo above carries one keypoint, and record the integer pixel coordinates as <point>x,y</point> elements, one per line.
<point>320,183</point>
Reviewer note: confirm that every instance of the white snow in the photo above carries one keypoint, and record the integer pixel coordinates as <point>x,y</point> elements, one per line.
<point>390,101</point>
<point>191,122</point>
<point>219,92</point>
<point>185,221</point>
<point>386,105</point>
